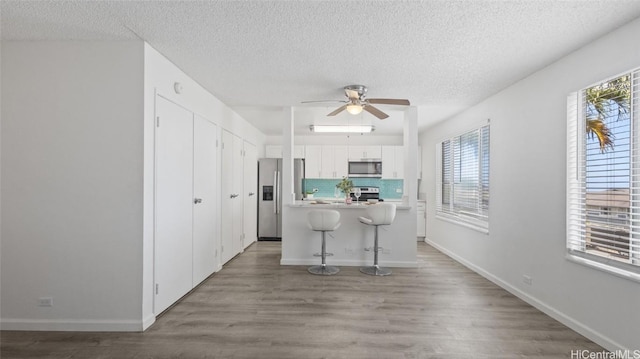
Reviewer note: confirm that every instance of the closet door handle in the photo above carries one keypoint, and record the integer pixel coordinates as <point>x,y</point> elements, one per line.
<point>197,200</point>
<point>233,196</point>
<point>251,194</point>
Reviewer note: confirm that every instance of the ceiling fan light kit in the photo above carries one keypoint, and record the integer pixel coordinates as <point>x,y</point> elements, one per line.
<point>342,128</point>
<point>357,101</point>
<point>354,109</point>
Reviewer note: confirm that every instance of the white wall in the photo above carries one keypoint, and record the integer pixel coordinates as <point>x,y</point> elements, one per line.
<point>71,184</point>
<point>160,77</point>
<point>77,180</point>
<point>527,208</point>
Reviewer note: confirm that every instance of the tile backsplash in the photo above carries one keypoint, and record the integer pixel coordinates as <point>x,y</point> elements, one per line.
<point>389,188</point>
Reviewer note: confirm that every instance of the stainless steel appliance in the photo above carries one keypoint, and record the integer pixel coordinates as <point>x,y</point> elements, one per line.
<point>270,195</point>
<point>367,193</point>
<point>371,168</point>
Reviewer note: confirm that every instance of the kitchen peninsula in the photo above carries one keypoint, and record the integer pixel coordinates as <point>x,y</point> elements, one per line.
<point>349,241</point>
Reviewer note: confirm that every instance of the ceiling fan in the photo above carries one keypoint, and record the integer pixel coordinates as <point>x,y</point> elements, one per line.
<point>357,101</point>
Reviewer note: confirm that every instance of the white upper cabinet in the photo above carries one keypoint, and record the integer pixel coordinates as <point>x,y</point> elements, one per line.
<point>392,162</point>
<point>275,151</point>
<point>365,152</point>
<point>334,162</point>
<point>313,161</point>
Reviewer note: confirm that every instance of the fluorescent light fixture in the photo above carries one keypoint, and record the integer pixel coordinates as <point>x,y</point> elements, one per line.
<point>354,109</point>
<point>342,128</point>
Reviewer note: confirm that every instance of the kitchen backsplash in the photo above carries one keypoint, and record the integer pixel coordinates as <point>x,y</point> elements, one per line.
<point>389,188</point>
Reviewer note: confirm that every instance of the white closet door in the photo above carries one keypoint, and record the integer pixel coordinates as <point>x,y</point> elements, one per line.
<point>205,239</point>
<point>226,217</point>
<point>174,196</point>
<point>250,200</point>
<point>238,188</point>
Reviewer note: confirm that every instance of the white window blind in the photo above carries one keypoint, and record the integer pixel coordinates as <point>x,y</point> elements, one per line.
<point>603,173</point>
<point>462,170</point>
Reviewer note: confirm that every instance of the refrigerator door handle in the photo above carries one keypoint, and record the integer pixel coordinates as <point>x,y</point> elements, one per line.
<point>275,192</point>
<point>277,196</point>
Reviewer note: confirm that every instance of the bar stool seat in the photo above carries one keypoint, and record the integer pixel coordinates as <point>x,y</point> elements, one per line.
<point>379,214</point>
<point>323,220</point>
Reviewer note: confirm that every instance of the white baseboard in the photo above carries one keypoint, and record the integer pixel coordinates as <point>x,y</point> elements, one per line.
<point>570,322</point>
<point>347,263</point>
<point>148,321</point>
<point>75,325</point>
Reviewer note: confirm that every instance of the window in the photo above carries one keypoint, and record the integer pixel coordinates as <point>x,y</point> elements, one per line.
<point>603,190</point>
<point>463,179</point>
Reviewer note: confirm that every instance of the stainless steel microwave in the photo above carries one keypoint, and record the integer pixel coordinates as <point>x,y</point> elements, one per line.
<point>365,168</point>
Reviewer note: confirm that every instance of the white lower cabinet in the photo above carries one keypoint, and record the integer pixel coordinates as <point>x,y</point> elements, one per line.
<point>422,219</point>
<point>185,239</point>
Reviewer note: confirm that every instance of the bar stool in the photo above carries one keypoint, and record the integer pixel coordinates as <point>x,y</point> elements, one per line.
<point>379,214</point>
<point>323,220</point>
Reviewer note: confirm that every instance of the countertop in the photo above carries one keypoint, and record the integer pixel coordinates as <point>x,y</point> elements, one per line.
<point>340,204</point>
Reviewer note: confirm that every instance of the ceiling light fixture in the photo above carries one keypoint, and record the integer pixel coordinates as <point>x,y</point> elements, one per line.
<point>354,109</point>
<point>342,128</point>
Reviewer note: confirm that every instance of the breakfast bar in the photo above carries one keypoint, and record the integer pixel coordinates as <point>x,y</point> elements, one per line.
<point>352,242</point>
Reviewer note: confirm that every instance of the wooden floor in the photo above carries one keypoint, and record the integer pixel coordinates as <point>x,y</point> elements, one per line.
<point>255,308</point>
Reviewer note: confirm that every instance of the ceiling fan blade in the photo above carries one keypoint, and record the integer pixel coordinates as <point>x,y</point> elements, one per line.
<point>389,101</point>
<point>338,110</point>
<point>325,101</point>
<point>374,111</point>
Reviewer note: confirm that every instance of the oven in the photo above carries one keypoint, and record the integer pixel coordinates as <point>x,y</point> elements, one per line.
<point>366,193</point>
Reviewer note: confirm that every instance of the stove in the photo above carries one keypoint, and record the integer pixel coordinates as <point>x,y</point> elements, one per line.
<point>367,193</point>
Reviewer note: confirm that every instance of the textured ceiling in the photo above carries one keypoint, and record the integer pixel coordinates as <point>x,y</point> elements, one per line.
<point>257,56</point>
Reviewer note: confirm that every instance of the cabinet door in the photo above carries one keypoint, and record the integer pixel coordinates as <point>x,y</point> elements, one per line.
<point>237,201</point>
<point>313,161</point>
<point>422,220</point>
<point>273,151</point>
<point>226,215</point>
<point>250,197</point>
<point>340,161</point>
<point>327,165</point>
<point>173,204</point>
<point>205,240</point>
<point>388,162</point>
<point>356,152</point>
<point>372,152</point>
<point>298,151</point>
<point>392,162</point>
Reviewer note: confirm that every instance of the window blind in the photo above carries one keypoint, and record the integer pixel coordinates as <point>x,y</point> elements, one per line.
<point>462,170</point>
<point>603,173</point>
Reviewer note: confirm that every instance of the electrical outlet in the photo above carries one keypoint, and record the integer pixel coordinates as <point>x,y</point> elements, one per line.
<point>45,302</point>
<point>527,279</point>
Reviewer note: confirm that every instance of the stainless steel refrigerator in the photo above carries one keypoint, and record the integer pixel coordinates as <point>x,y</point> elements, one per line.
<point>270,191</point>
